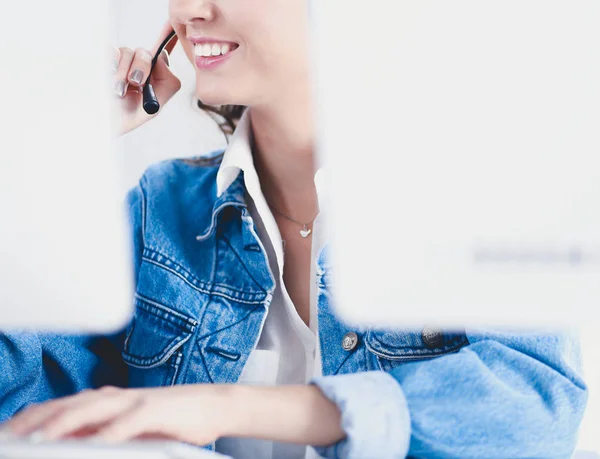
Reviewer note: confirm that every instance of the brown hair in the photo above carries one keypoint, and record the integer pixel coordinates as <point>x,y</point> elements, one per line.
<point>227,117</point>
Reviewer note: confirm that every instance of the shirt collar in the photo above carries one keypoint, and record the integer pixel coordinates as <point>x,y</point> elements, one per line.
<point>237,156</point>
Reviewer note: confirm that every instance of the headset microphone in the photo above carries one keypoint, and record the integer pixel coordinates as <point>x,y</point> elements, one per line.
<point>150,104</point>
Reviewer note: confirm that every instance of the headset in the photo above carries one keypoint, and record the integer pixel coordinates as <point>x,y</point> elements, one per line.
<point>150,102</point>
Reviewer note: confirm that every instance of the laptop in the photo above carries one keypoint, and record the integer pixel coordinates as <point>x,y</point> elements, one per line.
<point>462,141</point>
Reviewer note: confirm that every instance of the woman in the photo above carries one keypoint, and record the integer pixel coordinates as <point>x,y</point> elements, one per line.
<point>222,299</point>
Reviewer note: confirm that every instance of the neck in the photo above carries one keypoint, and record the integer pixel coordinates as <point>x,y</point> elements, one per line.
<point>283,138</point>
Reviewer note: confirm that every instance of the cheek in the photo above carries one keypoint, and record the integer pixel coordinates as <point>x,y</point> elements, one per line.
<point>188,48</point>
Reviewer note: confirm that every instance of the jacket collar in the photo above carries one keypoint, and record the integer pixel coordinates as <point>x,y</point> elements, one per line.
<point>232,196</point>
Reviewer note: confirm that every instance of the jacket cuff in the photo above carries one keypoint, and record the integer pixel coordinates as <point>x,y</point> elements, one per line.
<point>375,415</point>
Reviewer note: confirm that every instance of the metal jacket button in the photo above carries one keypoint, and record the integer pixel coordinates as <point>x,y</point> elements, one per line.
<point>432,338</point>
<point>350,341</point>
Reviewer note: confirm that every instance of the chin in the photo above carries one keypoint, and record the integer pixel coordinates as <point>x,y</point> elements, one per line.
<point>210,94</point>
<point>211,99</point>
<point>218,94</point>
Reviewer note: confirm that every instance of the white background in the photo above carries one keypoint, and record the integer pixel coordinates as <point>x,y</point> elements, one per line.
<point>182,130</point>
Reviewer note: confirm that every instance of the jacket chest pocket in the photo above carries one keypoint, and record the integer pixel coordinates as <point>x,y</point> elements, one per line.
<point>393,348</point>
<point>153,348</point>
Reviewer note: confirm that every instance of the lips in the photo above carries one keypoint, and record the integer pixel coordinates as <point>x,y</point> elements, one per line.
<point>211,52</point>
<point>212,62</point>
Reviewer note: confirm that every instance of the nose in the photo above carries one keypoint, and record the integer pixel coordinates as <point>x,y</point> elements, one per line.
<point>192,12</point>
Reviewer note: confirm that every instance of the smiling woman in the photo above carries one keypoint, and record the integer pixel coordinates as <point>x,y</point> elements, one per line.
<point>235,343</point>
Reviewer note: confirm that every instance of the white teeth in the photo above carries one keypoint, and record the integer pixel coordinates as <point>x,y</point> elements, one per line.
<point>215,49</point>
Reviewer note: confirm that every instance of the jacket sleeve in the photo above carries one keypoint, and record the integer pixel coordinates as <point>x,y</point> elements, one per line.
<point>504,395</point>
<point>36,367</point>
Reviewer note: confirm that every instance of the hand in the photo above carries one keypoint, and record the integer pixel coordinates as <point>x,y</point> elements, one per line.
<point>188,413</point>
<point>196,413</point>
<point>129,89</point>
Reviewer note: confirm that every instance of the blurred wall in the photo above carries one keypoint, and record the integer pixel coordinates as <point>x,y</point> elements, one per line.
<point>182,130</point>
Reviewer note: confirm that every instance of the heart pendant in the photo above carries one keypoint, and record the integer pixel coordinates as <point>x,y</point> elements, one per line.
<point>305,233</point>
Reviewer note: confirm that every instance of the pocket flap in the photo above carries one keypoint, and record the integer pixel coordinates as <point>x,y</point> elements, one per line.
<point>155,333</point>
<point>410,344</point>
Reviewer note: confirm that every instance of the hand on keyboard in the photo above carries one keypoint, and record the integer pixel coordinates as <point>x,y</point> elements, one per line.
<point>190,414</point>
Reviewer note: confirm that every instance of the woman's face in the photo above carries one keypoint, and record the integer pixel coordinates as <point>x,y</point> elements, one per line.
<point>271,58</point>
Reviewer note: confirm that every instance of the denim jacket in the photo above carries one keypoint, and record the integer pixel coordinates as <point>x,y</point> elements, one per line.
<point>203,288</point>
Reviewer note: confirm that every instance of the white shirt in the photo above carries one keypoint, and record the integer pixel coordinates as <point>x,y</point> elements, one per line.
<point>287,350</point>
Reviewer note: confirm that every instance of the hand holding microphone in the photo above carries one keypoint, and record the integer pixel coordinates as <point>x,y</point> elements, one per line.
<point>144,80</point>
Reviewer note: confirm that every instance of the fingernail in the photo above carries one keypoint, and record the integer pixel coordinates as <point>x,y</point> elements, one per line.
<point>121,87</point>
<point>115,66</point>
<point>137,76</point>
<point>167,57</point>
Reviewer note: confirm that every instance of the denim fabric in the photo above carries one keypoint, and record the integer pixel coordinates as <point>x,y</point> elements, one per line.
<point>203,287</point>
<point>375,415</point>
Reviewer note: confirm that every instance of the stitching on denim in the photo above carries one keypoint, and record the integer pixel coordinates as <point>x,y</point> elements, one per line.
<point>144,203</point>
<point>404,352</point>
<point>175,369</point>
<point>157,360</point>
<point>180,269</point>
<point>422,354</point>
<point>235,290</point>
<point>202,286</point>
<point>195,287</point>
<point>168,310</point>
<point>222,290</point>
<point>195,280</point>
<point>206,367</point>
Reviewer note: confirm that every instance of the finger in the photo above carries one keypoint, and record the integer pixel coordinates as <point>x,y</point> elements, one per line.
<point>131,424</point>
<point>100,410</point>
<point>162,70</point>
<point>164,58</point>
<point>166,30</point>
<point>140,67</point>
<point>165,83</point>
<point>116,58</point>
<point>122,73</point>
<point>85,432</point>
<point>31,418</point>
